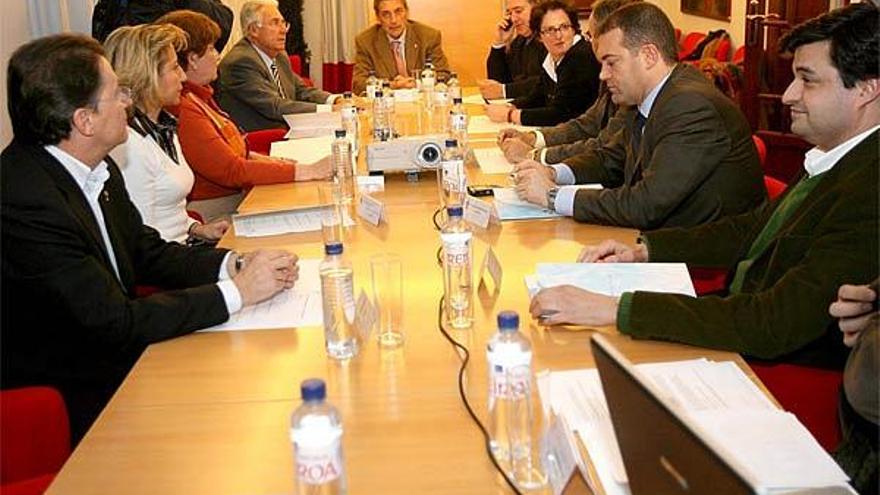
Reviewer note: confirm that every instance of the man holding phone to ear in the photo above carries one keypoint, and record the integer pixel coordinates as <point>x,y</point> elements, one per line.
<point>514,63</point>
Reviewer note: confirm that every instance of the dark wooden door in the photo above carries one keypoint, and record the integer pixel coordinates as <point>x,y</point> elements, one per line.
<point>768,73</point>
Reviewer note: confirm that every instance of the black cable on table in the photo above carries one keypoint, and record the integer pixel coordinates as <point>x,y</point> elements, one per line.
<point>465,356</point>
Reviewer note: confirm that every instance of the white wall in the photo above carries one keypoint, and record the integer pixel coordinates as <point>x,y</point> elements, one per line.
<point>13,33</point>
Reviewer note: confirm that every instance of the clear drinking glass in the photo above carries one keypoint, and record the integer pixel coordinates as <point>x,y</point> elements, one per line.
<point>388,296</point>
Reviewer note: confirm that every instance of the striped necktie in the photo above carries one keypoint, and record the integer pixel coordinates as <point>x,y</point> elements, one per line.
<point>399,62</point>
<point>277,79</point>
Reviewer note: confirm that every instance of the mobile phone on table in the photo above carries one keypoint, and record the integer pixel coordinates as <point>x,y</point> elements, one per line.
<point>481,190</point>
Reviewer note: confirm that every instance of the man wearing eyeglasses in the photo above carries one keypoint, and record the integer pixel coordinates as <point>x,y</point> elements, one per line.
<point>395,47</point>
<point>514,63</point>
<point>685,157</point>
<point>75,247</point>
<point>257,85</point>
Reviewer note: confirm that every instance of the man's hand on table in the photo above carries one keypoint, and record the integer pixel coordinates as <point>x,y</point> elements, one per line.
<point>265,273</point>
<point>567,304</point>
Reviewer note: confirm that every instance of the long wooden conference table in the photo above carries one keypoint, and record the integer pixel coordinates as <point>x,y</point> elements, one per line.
<point>209,413</point>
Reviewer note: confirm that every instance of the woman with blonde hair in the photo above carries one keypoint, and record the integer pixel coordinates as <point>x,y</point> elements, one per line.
<point>157,177</point>
<point>212,143</point>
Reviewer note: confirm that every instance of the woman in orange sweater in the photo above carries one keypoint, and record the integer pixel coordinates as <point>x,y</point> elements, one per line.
<point>211,142</point>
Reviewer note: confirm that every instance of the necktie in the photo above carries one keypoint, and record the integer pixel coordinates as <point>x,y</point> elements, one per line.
<point>637,132</point>
<point>277,79</point>
<point>398,58</point>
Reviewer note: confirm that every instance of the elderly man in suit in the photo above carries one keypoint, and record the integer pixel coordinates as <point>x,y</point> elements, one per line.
<point>789,256</point>
<point>685,157</point>
<point>395,46</point>
<point>257,85</point>
<point>74,245</point>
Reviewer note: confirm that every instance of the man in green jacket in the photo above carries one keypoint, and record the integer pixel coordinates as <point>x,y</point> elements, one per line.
<point>789,256</point>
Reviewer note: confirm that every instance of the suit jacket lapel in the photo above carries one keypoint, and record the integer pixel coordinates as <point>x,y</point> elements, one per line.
<point>412,48</point>
<point>385,60</point>
<point>634,172</point>
<point>633,169</point>
<point>78,205</point>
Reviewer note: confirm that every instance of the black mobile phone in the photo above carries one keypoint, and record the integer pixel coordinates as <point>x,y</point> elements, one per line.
<point>481,190</point>
<point>507,24</point>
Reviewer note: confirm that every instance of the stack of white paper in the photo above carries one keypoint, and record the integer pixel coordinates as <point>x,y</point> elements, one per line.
<point>773,450</point>
<point>281,222</point>
<point>492,161</point>
<point>299,306</point>
<point>305,150</point>
<point>480,124</point>
<point>312,124</point>
<point>613,279</point>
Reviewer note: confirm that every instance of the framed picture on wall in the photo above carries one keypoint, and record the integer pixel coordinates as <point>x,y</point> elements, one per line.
<point>714,9</point>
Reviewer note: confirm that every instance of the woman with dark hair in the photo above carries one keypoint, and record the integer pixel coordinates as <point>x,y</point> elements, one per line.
<point>570,81</point>
<point>211,142</point>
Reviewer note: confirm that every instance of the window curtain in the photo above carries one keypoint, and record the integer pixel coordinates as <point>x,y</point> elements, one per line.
<point>47,17</point>
<point>342,20</point>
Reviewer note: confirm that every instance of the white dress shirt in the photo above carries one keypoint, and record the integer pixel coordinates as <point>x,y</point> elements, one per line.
<point>91,183</point>
<point>818,162</point>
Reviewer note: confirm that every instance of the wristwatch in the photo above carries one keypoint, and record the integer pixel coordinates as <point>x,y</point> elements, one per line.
<point>551,198</point>
<point>239,262</point>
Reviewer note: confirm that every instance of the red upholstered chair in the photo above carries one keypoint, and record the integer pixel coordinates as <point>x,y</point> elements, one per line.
<point>739,56</point>
<point>774,187</point>
<point>296,65</point>
<point>261,141</point>
<point>34,439</point>
<point>811,394</point>
<point>762,150</point>
<point>711,280</point>
<point>722,53</point>
<point>690,42</point>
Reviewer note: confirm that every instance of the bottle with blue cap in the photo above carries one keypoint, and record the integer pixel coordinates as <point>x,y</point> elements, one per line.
<point>316,433</point>
<point>457,269</point>
<point>458,124</point>
<point>337,296</point>
<point>349,116</point>
<point>343,173</point>
<point>451,177</point>
<point>509,356</point>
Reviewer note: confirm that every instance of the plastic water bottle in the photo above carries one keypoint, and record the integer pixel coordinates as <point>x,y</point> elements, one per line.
<point>428,78</point>
<point>337,295</point>
<point>439,122</point>
<point>388,100</point>
<point>316,433</point>
<point>343,175</point>
<point>350,121</point>
<point>451,178</point>
<point>453,86</point>
<point>381,119</point>
<point>458,124</point>
<point>373,86</point>
<point>509,356</point>
<point>457,276</point>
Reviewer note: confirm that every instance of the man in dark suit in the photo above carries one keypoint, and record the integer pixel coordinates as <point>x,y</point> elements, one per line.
<point>789,256</point>
<point>514,63</point>
<point>257,85</point>
<point>685,158</point>
<point>551,145</point>
<point>74,246</point>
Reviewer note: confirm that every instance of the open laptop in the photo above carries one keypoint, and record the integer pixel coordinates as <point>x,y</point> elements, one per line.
<point>661,453</point>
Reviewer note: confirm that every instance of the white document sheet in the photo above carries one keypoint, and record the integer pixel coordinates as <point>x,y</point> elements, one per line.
<point>312,124</point>
<point>478,99</point>
<point>510,207</point>
<point>480,124</point>
<point>774,450</point>
<point>492,161</point>
<point>299,306</point>
<point>304,150</point>
<point>613,279</point>
<point>281,222</point>
<point>727,409</point>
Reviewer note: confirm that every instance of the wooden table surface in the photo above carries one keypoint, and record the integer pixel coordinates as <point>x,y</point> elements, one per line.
<point>209,412</point>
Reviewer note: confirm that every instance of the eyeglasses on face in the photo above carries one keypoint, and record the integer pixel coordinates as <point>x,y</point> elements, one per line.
<point>556,30</point>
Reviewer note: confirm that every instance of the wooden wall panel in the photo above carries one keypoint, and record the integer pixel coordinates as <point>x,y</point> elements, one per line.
<point>467,31</point>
